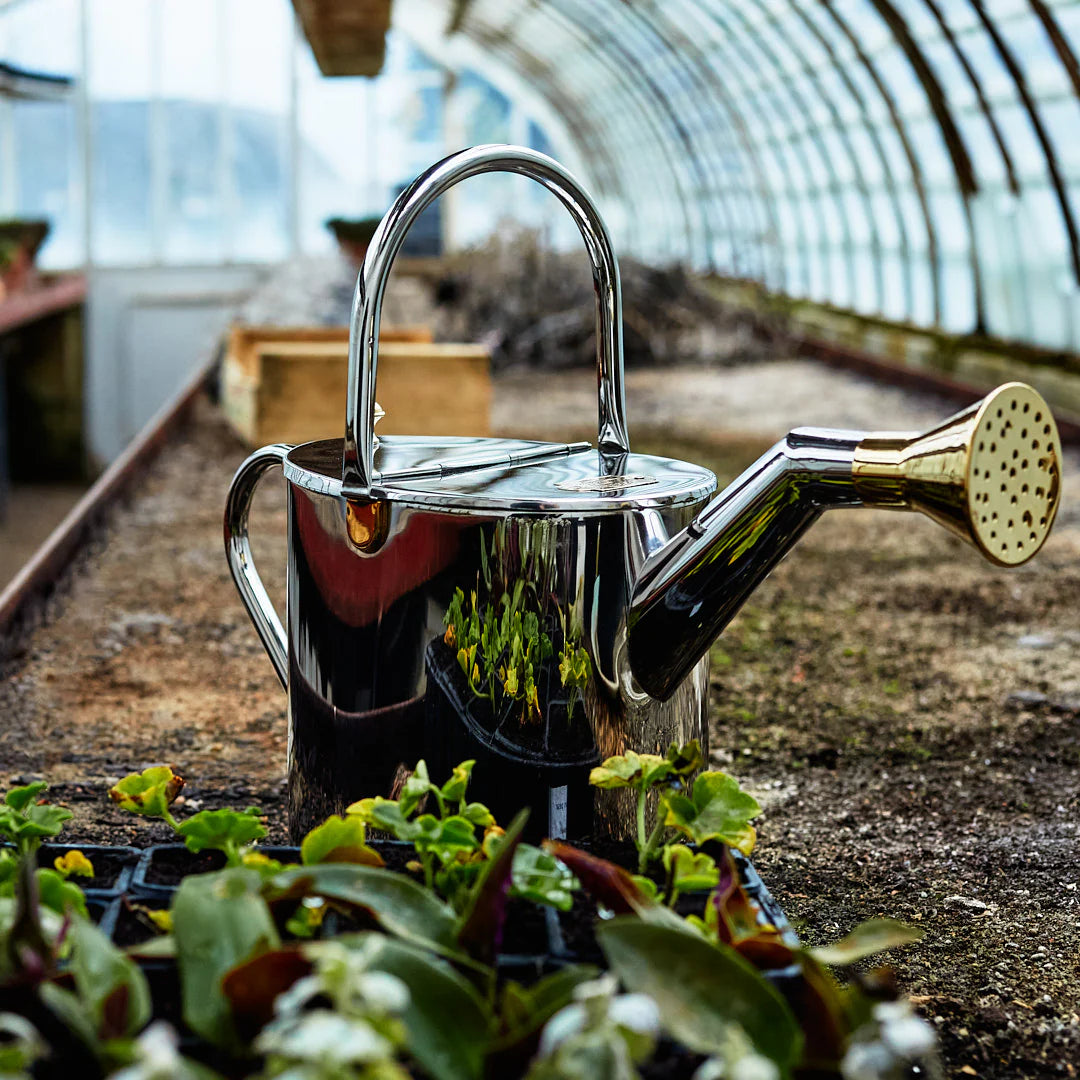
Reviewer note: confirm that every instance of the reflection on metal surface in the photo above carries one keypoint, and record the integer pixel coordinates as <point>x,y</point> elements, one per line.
<point>368,524</point>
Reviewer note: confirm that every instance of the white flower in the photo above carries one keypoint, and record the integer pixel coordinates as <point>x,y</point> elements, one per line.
<point>383,992</point>
<point>637,1013</point>
<point>563,1026</point>
<point>325,1038</point>
<point>866,1061</point>
<point>754,1067</point>
<point>712,1069</point>
<point>909,1038</point>
<point>157,1055</point>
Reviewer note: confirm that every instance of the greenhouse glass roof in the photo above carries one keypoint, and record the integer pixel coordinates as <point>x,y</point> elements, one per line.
<point>913,159</point>
<point>918,159</point>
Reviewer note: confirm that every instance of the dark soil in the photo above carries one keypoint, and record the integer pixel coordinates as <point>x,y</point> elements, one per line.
<point>908,715</point>
<point>133,926</point>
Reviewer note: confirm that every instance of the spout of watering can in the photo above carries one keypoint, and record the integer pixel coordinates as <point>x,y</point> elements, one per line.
<point>990,474</point>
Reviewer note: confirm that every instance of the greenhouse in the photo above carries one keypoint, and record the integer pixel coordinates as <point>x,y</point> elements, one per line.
<point>538,718</point>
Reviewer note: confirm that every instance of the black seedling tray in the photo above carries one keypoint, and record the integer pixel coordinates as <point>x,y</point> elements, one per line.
<point>162,867</point>
<point>113,867</point>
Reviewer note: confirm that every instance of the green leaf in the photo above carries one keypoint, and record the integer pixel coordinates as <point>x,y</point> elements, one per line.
<point>689,871</point>
<point>27,822</point>
<point>399,905</point>
<point>21,797</point>
<point>540,877</point>
<point>415,788</point>
<point>868,938</point>
<point>632,770</point>
<point>59,894</point>
<point>480,925</point>
<point>686,759</point>
<point>150,792</point>
<point>478,814</point>
<point>339,840</point>
<point>646,885</point>
<point>448,1024</point>
<point>109,984</point>
<point>718,810</point>
<point>219,921</point>
<point>454,789</point>
<point>701,989</point>
<point>222,830</point>
<point>525,1010</point>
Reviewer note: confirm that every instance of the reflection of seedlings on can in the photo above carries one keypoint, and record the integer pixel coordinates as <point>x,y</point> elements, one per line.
<point>518,649</point>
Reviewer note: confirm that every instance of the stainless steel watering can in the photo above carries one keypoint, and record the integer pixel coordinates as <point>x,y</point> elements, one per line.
<point>540,606</point>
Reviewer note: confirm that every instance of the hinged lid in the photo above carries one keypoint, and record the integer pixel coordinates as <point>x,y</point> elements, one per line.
<point>505,475</point>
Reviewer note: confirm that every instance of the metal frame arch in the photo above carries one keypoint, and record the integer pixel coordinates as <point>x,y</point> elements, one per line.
<point>963,169</point>
<point>647,118</point>
<point>874,136</point>
<point>680,66</point>
<point>780,102</point>
<point>734,127</point>
<point>665,110</point>
<point>777,147</point>
<point>1056,179</point>
<point>629,166</point>
<point>811,131</point>
<point>913,162</point>
<point>860,185</point>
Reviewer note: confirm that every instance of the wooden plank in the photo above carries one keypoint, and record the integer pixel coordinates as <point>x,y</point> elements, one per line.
<point>245,338</point>
<point>242,367</point>
<point>63,292</point>
<point>424,389</point>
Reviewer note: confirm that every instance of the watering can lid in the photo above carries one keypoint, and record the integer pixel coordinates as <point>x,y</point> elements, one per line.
<point>520,475</point>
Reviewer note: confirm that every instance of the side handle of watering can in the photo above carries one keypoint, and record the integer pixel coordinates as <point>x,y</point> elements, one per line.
<point>238,551</point>
<point>358,463</point>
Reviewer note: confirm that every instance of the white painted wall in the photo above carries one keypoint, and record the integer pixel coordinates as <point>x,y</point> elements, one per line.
<point>147,331</point>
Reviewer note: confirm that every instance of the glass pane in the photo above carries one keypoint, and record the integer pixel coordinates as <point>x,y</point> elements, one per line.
<point>334,147</point>
<point>45,165</point>
<point>190,90</point>
<point>258,42</point>
<point>46,178</point>
<point>119,83</point>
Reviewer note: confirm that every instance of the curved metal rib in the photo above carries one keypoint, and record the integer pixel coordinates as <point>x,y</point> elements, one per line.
<point>357,466</point>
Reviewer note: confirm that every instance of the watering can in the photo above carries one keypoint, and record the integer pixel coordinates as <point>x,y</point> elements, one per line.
<point>536,606</point>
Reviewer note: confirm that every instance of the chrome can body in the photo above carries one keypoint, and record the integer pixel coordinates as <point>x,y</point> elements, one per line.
<point>376,680</point>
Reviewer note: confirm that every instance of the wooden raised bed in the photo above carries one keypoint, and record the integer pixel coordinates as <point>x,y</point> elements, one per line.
<point>289,385</point>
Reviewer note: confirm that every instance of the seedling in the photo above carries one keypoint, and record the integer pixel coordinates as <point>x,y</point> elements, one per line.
<point>25,820</point>
<point>453,847</point>
<point>152,792</point>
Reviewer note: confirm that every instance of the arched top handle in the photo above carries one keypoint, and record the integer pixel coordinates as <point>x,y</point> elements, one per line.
<point>357,465</point>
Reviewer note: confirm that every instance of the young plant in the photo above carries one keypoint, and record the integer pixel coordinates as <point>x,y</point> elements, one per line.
<point>641,773</point>
<point>499,648</point>
<point>26,820</point>
<point>601,1033</point>
<point>575,667</point>
<point>454,846</point>
<point>152,792</point>
<point>354,1028</point>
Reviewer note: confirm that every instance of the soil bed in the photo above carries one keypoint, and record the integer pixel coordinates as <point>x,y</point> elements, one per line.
<point>908,715</point>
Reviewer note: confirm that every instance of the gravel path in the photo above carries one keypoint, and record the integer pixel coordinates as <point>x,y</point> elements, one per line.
<point>909,715</point>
